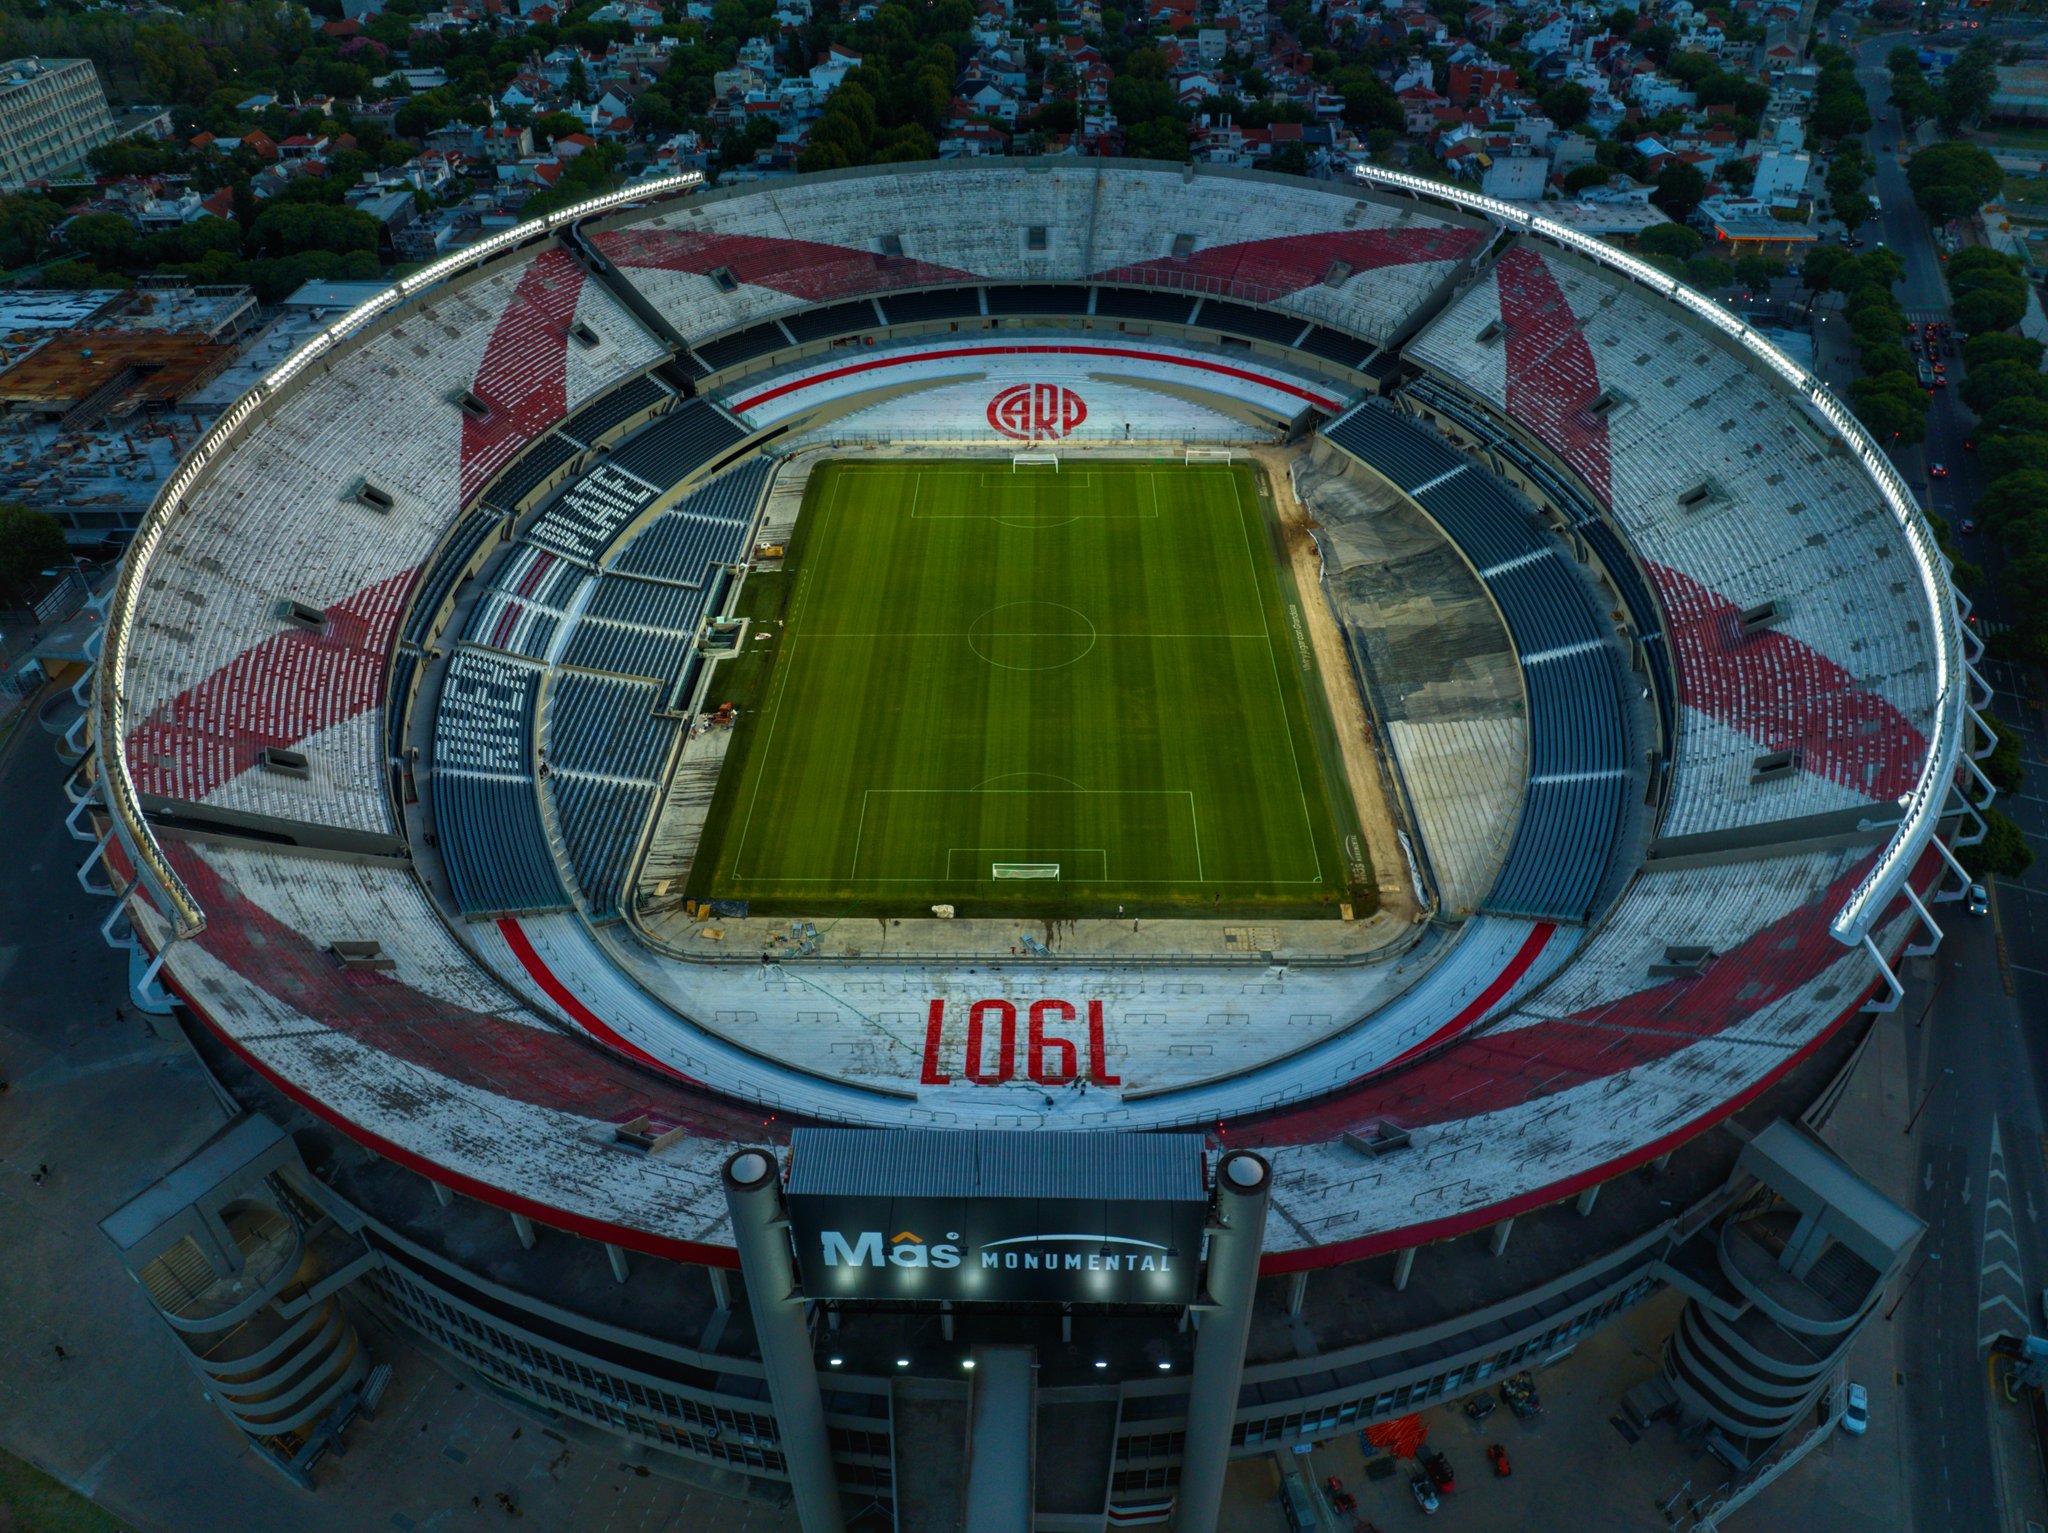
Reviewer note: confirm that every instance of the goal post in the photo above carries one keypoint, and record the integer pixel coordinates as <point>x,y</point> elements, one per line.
<point>1208,455</point>
<point>1024,870</point>
<point>1049,460</point>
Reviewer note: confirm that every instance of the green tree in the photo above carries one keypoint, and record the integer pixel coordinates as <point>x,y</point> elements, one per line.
<point>2004,766</point>
<point>1953,180</point>
<point>1758,271</point>
<point>1567,105</point>
<point>1893,408</point>
<point>1983,350</point>
<point>2003,852</point>
<point>1853,211</point>
<point>2006,453</point>
<point>2011,499</point>
<point>1992,385</point>
<point>106,239</point>
<point>30,542</point>
<point>1161,138</point>
<point>1820,264</point>
<point>1968,86</point>
<point>1674,240</point>
<point>290,228</point>
<point>25,225</point>
<point>1579,177</point>
<point>1679,189</point>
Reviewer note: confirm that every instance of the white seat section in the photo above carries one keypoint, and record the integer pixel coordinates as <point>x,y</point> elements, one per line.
<point>786,246</point>
<point>330,901</point>
<point>1786,519</point>
<point>1716,908</point>
<point>214,672</point>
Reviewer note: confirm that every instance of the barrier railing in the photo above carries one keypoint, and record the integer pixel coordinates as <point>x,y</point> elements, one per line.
<point>1922,807</point>
<point>109,711</point>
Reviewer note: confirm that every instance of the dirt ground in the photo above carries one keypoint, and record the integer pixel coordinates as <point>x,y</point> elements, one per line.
<point>1355,734</point>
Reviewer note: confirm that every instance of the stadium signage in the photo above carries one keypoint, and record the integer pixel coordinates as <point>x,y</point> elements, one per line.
<point>997,1250</point>
<point>989,1051</point>
<point>1036,412</point>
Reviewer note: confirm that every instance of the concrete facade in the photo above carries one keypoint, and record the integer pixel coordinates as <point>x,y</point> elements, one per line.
<point>52,112</point>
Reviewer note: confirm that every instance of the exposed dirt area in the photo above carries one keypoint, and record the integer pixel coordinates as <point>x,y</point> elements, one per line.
<point>1363,769</point>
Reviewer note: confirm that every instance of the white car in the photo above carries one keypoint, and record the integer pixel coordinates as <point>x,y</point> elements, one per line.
<point>1977,902</point>
<point>1856,1411</point>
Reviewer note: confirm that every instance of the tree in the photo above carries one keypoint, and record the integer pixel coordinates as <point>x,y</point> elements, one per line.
<point>30,542</point>
<point>1993,385</point>
<point>1983,350</point>
<point>1992,306</point>
<point>1679,189</point>
<point>1289,159</point>
<point>1579,177</point>
<point>1161,138</point>
<point>1758,271</point>
<point>2011,498</point>
<point>1566,105</point>
<point>1708,274</point>
<point>25,225</point>
<point>2015,452</point>
<point>1853,211</point>
<point>1893,408</point>
<point>106,239</point>
<point>2004,765</point>
<point>1953,180</point>
<point>2003,851</point>
<point>1968,86</point>
<point>289,228</point>
<point>1821,264</point>
<point>1674,240</point>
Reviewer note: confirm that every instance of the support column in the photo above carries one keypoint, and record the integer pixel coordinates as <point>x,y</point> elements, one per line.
<point>1662,1163</point>
<point>753,1194</point>
<point>442,1195</point>
<point>721,1288</point>
<point>1498,1241</point>
<point>618,1256</point>
<point>945,1319</point>
<point>1244,1183</point>
<point>1588,1198</point>
<point>523,1228</point>
<point>1404,1264</point>
<point>1297,1291</point>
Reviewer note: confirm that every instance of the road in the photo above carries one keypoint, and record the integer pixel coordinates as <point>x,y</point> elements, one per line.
<point>1976,1064</point>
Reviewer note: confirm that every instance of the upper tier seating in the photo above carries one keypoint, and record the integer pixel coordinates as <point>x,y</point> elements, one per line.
<point>214,672</point>
<point>1578,734</point>
<point>1738,501</point>
<point>723,263</point>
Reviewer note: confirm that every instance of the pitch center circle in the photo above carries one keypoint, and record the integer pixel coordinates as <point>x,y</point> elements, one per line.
<point>1031,636</point>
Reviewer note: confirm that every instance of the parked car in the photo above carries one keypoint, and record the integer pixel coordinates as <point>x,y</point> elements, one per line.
<point>1977,902</point>
<point>1424,1494</point>
<point>1937,470</point>
<point>1969,524</point>
<point>1856,1411</point>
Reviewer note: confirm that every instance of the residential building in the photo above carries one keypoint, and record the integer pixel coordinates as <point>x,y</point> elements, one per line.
<point>52,112</point>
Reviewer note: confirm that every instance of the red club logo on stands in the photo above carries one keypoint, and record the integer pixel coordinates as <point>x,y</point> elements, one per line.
<point>1036,412</point>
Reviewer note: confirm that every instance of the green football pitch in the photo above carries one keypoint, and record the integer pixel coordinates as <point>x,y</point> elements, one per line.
<point>1027,690</point>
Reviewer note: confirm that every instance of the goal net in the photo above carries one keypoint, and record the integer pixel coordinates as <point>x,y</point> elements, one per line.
<point>1049,460</point>
<point>1024,870</point>
<point>1208,455</point>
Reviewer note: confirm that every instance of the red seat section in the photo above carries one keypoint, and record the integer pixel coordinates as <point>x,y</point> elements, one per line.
<point>1262,270</point>
<point>1786,695</point>
<point>524,373</point>
<point>292,685</point>
<point>803,269</point>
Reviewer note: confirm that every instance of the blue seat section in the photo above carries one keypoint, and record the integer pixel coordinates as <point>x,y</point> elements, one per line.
<point>530,470</point>
<point>442,574</point>
<point>590,513</point>
<point>486,810</point>
<point>606,725</point>
<point>1578,730</point>
<point>654,603</point>
<point>521,611</point>
<point>621,404</point>
<point>404,664</point>
<point>600,820</point>
<point>1398,448</point>
<point>627,649</point>
<point>708,526</point>
<point>1585,517</point>
<point>668,450</point>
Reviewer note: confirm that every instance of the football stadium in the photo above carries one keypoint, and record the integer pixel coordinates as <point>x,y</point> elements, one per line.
<point>831,828</point>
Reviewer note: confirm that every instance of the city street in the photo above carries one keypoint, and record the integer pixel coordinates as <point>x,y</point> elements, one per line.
<point>1975,1064</point>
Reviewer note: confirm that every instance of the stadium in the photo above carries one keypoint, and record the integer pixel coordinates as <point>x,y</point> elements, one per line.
<point>1350,715</point>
